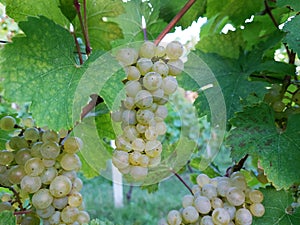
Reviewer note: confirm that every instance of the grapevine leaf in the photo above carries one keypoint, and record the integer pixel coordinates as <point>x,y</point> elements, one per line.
<point>275,203</point>
<point>102,32</point>
<point>256,134</point>
<point>131,21</point>
<point>169,10</point>
<point>292,37</point>
<point>150,188</point>
<point>7,218</point>
<point>227,45</point>
<point>21,9</point>
<point>4,137</point>
<point>68,9</point>
<point>294,4</point>
<point>236,11</point>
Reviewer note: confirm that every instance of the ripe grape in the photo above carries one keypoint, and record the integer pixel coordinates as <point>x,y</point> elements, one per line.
<point>60,186</point>
<point>174,217</point>
<point>6,157</point>
<point>190,214</point>
<point>16,174</point>
<point>257,209</point>
<point>72,144</point>
<point>243,217</point>
<point>7,123</point>
<point>31,134</point>
<point>220,216</point>
<point>42,199</point>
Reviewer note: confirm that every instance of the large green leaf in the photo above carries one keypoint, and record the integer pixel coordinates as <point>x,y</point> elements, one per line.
<point>102,32</point>
<point>7,218</point>
<point>292,37</point>
<point>46,74</point>
<point>131,21</point>
<point>169,10</point>
<point>255,133</point>
<point>276,203</point>
<point>294,4</point>
<point>20,9</point>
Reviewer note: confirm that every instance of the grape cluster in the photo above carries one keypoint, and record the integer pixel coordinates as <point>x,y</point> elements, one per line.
<point>151,73</point>
<point>218,201</point>
<point>42,170</point>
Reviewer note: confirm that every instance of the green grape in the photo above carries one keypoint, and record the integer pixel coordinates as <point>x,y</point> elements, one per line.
<point>31,134</point>
<point>153,148</point>
<point>257,209</point>
<point>16,174</point>
<point>190,214</point>
<point>235,196</point>
<point>144,116</point>
<point>143,99</point>
<point>42,199</point>
<point>45,213</point>
<point>31,184</point>
<point>71,174</point>
<point>69,214</point>
<point>36,149</point>
<point>72,145</point>
<point>129,117</point>
<point>30,219</point>
<point>127,56</point>
<point>18,143</point>
<point>144,65</point>
<point>255,196</point>
<point>207,220</point>
<point>55,218</point>
<point>161,68</point>
<point>169,85</point>
<point>209,191</point>
<point>4,179</point>
<point>77,184</point>
<point>230,209</point>
<point>83,217</point>
<point>202,204</point>
<point>160,51</point>
<point>132,88</point>
<point>22,156</point>
<point>75,199</point>
<point>138,144</point>
<point>6,157</point>
<point>48,162</point>
<point>50,150</point>
<point>132,73</point>
<point>60,186</point>
<point>220,216</point>
<point>48,175</point>
<point>187,200</point>
<point>70,162</point>
<point>34,166</point>
<point>174,217</point>
<point>60,203</point>
<point>7,123</point>
<point>50,135</point>
<point>243,217</point>
<point>152,81</point>
<point>176,66</point>
<point>147,50</point>
<point>28,122</point>
<point>174,50</point>
<point>216,203</point>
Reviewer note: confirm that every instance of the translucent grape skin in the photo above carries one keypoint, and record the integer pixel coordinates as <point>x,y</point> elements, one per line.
<point>7,123</point>
<point>174,217</point>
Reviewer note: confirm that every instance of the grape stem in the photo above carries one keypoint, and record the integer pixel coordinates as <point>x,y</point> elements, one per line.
<point>16,194</point>
<point>83,23</point>
<point>182,181</point>
<point>174,21</point>
<point>77,48</point>
<point>95,100</point>
<point>129,193</point>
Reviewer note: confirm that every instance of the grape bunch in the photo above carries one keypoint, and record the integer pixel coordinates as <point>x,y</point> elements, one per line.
<point>218,201</point>
<point>151,79</point>
<point>41,167</point>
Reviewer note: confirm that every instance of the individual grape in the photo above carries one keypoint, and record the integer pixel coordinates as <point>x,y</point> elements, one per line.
<point>70,162</point>
<point>31,134</point>
<point>202,179</point>
<point>22,156</point>
<point>216,203</point>
<point>130,133</point>
<point>153,148</point>
<point>223,187</point>
<point>50,135</point>
<point>120,159</point>
<point>83,217</point>
<point>30,219</point>
<point>60,203</point>
<point>174,50</point>
<point>190,214</point>
<point>141,128</point>
<point>161,111</point>
<point>4,179</point>
<point>220,216</point>
<point>243,217</point>
<point>134,158</point>
<point>55,218</point>
<point>174,217</point>
<point>77,184</point>
<point>75,199</point>
<point>235,196</point>
<point>209,191</point>
<point>147,50</point>
<point>161,68</point>
<point>138,144</point>
<point>151,134</point>
<point>202,204</point>
<point>257,209</point>
<point>72,144</point>
<point>31,184</point>
<point>128,103</point>
<point>6,157</point>
<point>144,160</point>
<point>69,214</point>
<point>28,122</point>
<point>206,220</point>
<point>50,150</point>
<point>132,73</point>
<point>144,116</point>
<point>161,128</point>
<point>152,81</point>
<point>138,172</point>
<point>127,56</point>
<point>45,213</point>
<point>160,51</point>
<point>48,162</point>
<point>176,66</point>
<point>169,85</point>
<point>42,199</point>
<point>187,200</point>
<point>239,182</point>
<point>34,166</point>
<point>230,209</point>
<point>196,190</point>
<point>16,174</point>
<point>255,196</point>
<point>123,144</point>
<point>17,143</point>
<point>156,95</point>
<point>129,117</point>
<point>132,88</point>
<point>7,123</point>
<point>143,99</point>
<point>60,186</point>
<point>71,174</point>
<point>144,65</point>
<point>48,175</point>
<point>35,150</point>
<point>117,116</point>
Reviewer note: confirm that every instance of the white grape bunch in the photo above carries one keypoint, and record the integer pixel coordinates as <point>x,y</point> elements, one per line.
<point>218,201</point>
<point>42,165</point>
<point>151,79</point>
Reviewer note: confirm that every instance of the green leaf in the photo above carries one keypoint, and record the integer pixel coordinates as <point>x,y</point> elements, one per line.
<point>131,21</point>
<point>292,37</point>
<point>237,11</point>
<point>227,45</point>
<point>4,137</point>
<point>101,29</point>
<point>68,9</point>
<point>7,218</point>
<point>19,10</point>
<point>150,188</point>
<point>294,4</point>
<point>275,203</point>
<point>169,10</point>
<point>255,133</point>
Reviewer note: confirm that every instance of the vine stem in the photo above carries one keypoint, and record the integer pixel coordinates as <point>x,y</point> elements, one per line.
<point>237,167</point>
<point>77,48</point>
<point>84,29</point>
<point>95,100</point>
<point>174,21</point>
<point>16,194</point>
<point>182,181</point>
